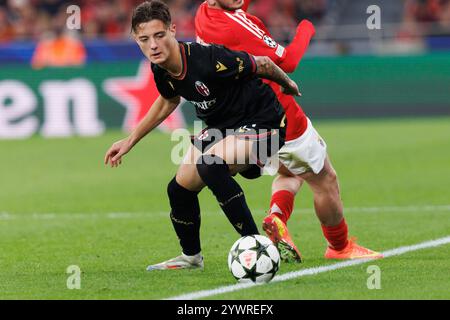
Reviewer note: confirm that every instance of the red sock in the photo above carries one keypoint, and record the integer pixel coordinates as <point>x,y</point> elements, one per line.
<point>282,204</point>
<point>336,235</point>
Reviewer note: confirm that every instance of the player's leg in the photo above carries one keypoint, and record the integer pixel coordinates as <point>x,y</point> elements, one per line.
<point>187,174</point>
<point>327,200</point>
<point>304,154</point>
<point>215,167</point>
<point>328,204</point>
<point>307,158</point>
<point>185,214</point>
<point>284,188</point>
<point>329,210</point>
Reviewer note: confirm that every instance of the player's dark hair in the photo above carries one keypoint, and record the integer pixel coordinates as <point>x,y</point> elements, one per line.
<point>151,10</point>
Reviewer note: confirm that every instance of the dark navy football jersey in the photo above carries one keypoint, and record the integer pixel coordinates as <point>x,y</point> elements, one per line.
<point>222,86</point>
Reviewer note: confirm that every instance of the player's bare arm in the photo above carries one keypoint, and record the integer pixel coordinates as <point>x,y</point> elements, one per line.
<point>159,111</point>
<point>267,69</point>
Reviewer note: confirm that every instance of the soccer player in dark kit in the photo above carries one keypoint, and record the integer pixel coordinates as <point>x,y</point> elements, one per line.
<point>240,111</point>
<point>304,156</point>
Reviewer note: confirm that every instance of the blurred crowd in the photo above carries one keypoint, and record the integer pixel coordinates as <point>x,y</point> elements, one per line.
<point>428,11</point>
<point>45,20</point>
<point>425,17</point>
<point>37,19</point>
<point>110,19</point>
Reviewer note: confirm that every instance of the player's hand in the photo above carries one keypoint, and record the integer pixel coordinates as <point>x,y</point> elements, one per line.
<point>114,155</point>
<point>305,26</point>
<point>292,89</point>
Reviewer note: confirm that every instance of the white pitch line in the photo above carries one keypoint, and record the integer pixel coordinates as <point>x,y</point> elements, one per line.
<point>134,215</point>
<point>398,208</point>
<point>313,271</point>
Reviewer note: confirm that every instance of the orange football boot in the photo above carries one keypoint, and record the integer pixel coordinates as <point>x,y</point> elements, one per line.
<point>278,232</point>
<point>352,251</point>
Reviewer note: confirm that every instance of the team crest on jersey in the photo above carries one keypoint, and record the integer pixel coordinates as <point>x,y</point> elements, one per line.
<point>270,42</point>
<point>202,88</point>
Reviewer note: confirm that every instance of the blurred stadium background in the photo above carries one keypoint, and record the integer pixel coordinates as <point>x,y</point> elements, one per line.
<point>60,82</point>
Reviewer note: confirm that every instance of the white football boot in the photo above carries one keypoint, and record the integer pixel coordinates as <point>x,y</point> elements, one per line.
<point>180,262</point>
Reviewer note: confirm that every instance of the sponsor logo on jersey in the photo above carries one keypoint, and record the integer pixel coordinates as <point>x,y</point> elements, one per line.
<point>202,88</point>
<point>204,105</point>
<point>269,41</point>
<point>220,67</point>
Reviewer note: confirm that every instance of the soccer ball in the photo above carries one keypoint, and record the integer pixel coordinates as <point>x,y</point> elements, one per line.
<point>253,259</point>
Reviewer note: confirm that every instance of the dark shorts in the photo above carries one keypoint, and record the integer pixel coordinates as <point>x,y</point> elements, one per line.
<point>269,137</point>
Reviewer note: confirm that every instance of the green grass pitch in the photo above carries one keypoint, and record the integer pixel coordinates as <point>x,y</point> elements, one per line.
<point>60,206</point>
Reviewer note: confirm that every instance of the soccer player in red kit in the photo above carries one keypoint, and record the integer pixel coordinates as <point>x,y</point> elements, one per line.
<point>304,156</point>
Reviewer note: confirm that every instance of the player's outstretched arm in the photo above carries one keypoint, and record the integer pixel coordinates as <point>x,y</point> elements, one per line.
<point>267,69</point>
<point>298,46</point>
<point>158,112</point>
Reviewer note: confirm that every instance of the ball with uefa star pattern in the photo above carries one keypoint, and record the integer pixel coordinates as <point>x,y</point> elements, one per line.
<point>254,259</point>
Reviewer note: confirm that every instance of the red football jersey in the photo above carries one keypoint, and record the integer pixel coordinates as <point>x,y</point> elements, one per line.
<point>239,30</point>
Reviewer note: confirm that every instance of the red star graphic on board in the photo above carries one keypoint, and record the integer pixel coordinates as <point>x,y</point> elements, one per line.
<point>137,94</point>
